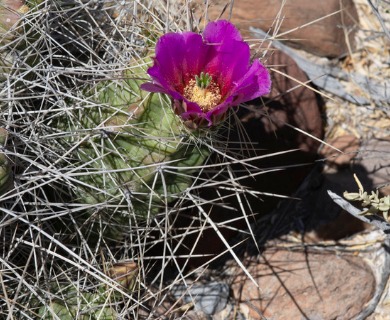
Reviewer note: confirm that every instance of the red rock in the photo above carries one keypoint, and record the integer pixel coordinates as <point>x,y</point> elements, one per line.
<point>295,23</point>
<point>348,144</point>
<point>292,105</point>
<point>298,285</point>
<point>344,225</point>
<point>373,162</point>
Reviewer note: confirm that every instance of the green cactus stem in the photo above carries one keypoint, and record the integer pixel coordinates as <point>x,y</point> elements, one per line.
<point>95,304</point>
<point>127,141</point>
<point>82,305</point>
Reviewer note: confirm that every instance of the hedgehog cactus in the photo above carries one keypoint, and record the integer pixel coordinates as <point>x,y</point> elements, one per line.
<point>130,142</point>
<point>138,133</point>
<point>92,304</point>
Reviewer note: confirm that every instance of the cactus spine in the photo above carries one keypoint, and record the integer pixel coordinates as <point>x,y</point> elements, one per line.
<point>123,145</point>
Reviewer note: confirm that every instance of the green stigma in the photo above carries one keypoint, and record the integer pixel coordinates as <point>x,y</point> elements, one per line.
<point>203,80</point>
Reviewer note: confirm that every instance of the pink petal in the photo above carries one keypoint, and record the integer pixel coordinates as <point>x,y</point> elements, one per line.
<point>229,63</point>
<point>221,31</point>
<point>255,83</point>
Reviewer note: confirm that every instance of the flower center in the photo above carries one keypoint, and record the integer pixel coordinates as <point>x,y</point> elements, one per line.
<point>204,91</point>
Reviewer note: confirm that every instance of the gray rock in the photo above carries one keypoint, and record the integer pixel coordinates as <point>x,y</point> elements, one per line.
<point>209,298</point>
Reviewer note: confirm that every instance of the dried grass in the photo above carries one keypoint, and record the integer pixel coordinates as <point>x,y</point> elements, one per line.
<point>371,60</point>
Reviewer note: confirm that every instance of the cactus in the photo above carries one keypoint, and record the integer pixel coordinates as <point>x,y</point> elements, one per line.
<point>113,151</point>
<point>79,305</point>
<point>92,304</point>
<point>129,138</point>
<point>134,145</point>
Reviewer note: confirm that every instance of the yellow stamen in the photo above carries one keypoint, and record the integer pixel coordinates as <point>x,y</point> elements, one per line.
<point>206,98</point>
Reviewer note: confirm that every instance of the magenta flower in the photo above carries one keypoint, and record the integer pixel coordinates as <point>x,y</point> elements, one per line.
<point>206,74</point>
